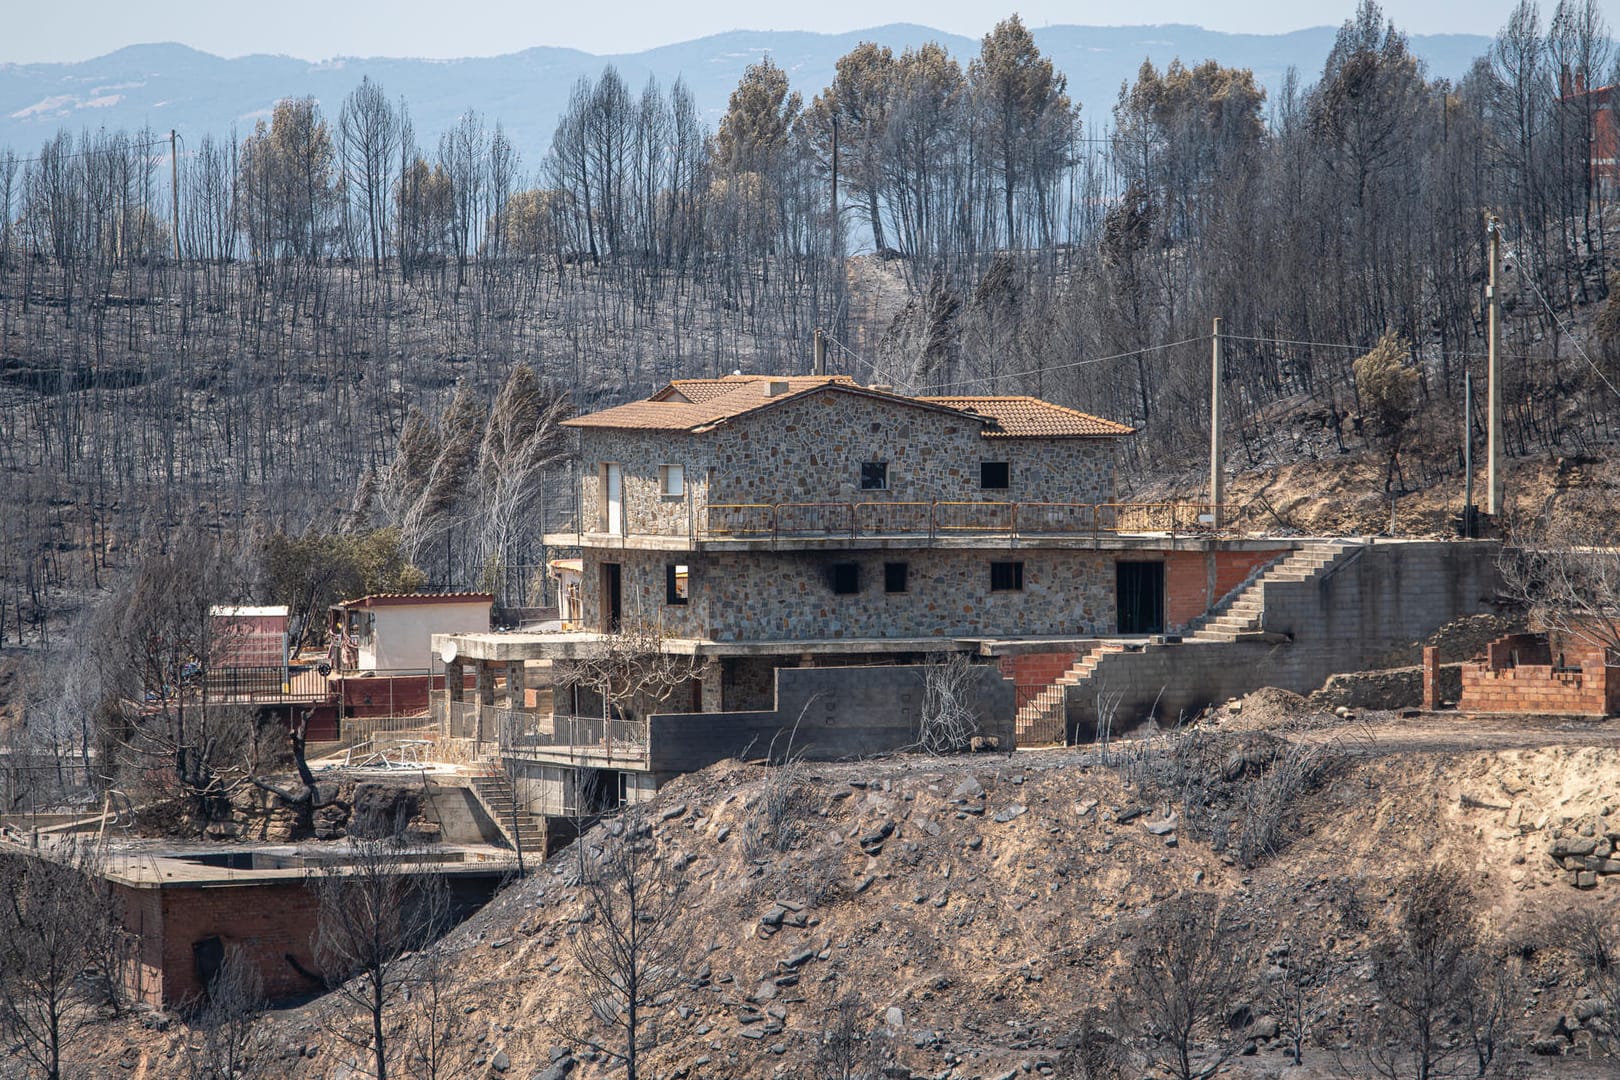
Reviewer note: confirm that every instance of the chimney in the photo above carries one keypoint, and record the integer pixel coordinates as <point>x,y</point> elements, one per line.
<point>775,387</point>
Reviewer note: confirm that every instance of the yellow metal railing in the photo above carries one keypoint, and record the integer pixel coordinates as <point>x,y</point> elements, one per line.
<point>877,519</point>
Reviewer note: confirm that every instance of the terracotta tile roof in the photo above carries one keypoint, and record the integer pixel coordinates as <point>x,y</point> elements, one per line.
<point>710,401</point>
<point>1022,417</point>
<point>696,404</point>
<point>391,599</point>
<point>701,390</point>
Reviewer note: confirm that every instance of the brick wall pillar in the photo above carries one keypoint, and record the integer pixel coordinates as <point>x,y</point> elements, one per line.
<point>454,679</point>
<point>485,672</point>
<point>1431,677</point>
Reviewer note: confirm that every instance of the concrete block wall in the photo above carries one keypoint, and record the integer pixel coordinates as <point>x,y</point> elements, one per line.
<point>1389,595</point>
<point>825,714</point>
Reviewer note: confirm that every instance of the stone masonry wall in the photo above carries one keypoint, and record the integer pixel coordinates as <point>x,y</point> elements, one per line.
<point>810,450</point>
<point>647,511</point>
<point>787,596</point>
<point>643,589</point>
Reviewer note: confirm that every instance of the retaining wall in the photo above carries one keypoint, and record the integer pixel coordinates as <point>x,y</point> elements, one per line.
<point>825,714</point>
<point>1384,597</point>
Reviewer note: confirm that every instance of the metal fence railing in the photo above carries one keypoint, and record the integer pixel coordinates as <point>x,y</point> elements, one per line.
<point>579,740</point>
<point>947,518</point>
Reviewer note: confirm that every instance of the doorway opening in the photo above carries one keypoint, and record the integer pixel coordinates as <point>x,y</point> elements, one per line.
<point>1140,592</point>
<point>612,598</point>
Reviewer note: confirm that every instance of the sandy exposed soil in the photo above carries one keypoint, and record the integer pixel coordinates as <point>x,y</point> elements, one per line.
<point>1004,898</point>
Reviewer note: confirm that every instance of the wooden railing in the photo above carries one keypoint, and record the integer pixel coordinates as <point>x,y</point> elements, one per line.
<point>851,520</point>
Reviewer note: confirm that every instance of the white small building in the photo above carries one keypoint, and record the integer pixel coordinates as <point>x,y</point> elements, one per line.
<point>394,631</point>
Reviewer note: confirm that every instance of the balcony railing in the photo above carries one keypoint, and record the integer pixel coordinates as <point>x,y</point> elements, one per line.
<point>941,519</point>
<point>572,740</point>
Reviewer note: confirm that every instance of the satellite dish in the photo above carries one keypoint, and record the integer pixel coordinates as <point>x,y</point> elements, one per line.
<point>447,651</point>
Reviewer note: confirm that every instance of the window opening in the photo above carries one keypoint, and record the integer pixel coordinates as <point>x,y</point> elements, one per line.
<point>1006,576</point>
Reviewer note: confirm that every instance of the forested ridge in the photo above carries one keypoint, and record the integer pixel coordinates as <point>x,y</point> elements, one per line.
<point>335,322</point>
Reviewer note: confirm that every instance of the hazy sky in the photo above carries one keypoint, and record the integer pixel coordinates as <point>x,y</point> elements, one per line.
<point>320,29</point>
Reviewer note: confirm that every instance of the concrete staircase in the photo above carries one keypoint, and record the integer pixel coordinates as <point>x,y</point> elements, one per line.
<point>1042,720</point>
<point>1243,615</point>
<point>521,830</point>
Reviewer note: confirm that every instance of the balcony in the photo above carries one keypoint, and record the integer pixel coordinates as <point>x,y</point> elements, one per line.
<point>729,525</point>
<point>938,520</point>
<point>545,738</point>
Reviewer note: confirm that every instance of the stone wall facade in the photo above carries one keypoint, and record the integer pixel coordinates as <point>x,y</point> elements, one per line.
<point>788,595</point>
<point>810,450</point>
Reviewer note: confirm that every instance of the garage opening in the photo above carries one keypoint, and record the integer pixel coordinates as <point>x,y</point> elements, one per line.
<point>1140,592</point>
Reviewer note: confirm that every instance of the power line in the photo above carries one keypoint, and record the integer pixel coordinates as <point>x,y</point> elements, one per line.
<point>75,154</point>
<point>1293,341</point>
<point>1065,367</point>
<point>1530,281</point>
<point>955,383</point>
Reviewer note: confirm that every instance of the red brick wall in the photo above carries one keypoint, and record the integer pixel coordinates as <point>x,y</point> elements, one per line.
<point>1033,672</point>
<point>1528,649</point>
<point>1535,689</point>
<point>267,921</point>
<point>1186,580</point>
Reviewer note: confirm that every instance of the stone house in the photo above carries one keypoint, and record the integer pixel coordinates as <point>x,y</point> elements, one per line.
<point>782,531</point>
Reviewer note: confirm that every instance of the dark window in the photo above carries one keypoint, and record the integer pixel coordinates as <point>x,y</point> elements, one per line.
<point>874,475</point>
<point>894,576</point>
<point>1006,576</point>
<point>677,582</point>
<point>846,578</point>
<point>995,474</point>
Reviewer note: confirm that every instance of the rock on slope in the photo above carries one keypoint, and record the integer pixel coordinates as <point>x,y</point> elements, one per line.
<point>962,914</point>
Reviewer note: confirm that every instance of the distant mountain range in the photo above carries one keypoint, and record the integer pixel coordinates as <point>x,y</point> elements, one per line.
<point>174,86</point>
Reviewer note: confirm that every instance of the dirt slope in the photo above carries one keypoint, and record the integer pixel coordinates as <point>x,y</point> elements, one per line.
<point>1001,901</point>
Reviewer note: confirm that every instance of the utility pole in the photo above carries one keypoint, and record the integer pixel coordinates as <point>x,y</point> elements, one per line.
<point>1493,388</point>
<point>819,365</point>
<point>174,194</point>
<point>1468,454</point>
<point>1217,485</point>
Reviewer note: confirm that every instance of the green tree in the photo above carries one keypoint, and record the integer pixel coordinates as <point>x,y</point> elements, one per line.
<point>760,115</point>
<point>859,101</point>
<point>1027,120</point>
<point>1388,389</point>
<point>288,179</point>
<point>310,573</point>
